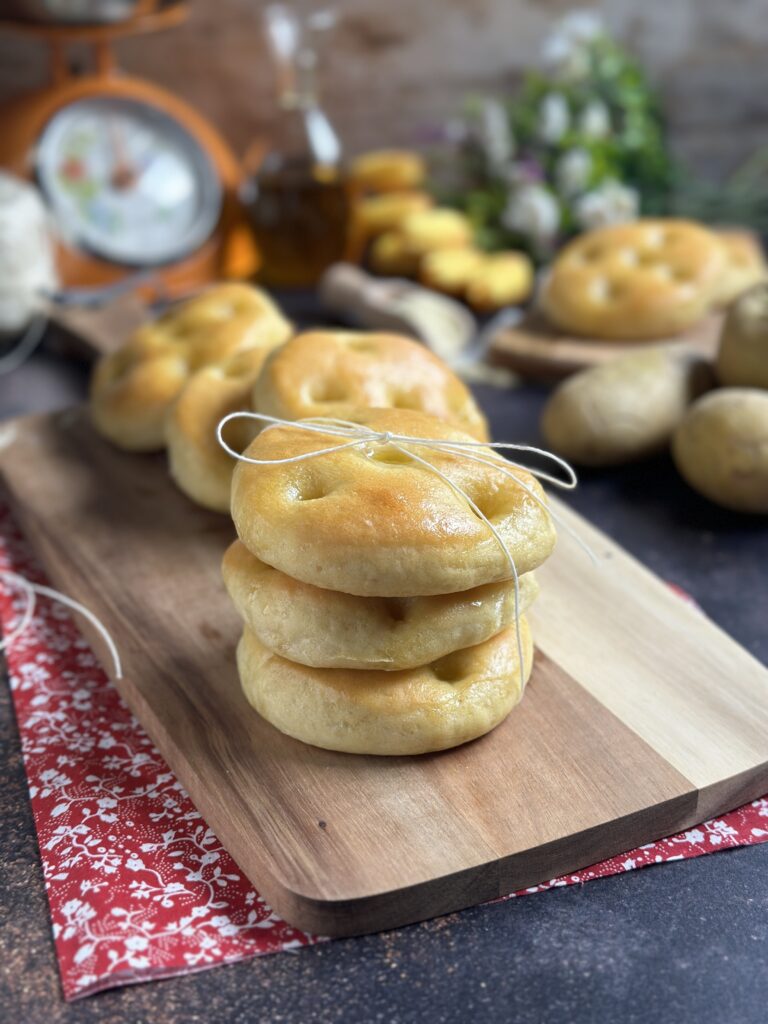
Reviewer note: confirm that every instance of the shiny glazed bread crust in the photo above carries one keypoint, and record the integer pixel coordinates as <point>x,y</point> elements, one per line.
<point>327,629</point>
<point>441,705</point>
<point>325,373</point>
<point>133,388</point>
<point>375,523</point>
<point>645,279</point>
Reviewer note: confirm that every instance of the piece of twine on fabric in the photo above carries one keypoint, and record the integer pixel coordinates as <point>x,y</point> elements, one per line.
<point>486,453</point>
<point>31,591</point>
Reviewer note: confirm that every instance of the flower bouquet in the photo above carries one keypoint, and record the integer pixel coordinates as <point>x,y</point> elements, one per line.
<point>581,145</point>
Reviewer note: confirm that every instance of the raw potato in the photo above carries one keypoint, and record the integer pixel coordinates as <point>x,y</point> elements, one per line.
<point>721,448</point>
<point>503,279</point>
<point>390,256</point>
<point>624,409</point>
<point>449,270</point>
<point>743,357</point>
<point>377,214</point>
<point>439,228</point>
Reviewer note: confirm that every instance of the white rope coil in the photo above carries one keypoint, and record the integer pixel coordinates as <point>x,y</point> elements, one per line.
<point>27,268</point>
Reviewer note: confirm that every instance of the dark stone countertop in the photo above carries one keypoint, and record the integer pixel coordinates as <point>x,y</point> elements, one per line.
<point>683,942</point>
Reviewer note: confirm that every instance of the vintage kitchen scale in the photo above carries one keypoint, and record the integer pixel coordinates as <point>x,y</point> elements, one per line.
<point>134,176</point>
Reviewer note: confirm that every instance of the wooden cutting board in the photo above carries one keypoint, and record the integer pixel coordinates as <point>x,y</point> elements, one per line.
<point>641,717</point>
<point>88,332</point>
<point>535,349</point>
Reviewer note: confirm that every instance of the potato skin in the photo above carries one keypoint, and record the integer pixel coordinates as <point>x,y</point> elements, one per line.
<point>721,448</point>
<point>625,409</point>
<point>742,360</point>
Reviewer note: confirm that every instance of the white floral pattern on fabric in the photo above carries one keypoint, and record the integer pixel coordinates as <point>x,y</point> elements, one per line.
<point>138,886</point>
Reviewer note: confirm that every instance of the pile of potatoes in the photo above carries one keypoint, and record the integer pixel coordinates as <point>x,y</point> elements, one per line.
<point>714,417</point>
<point>406,235</point>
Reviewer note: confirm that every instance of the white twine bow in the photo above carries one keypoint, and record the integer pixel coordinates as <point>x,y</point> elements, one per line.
<point>356,435</point>
<point>31,592</point>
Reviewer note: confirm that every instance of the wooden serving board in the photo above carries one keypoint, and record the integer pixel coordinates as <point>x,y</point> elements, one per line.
<point>86,332</point>
<point>536,349</point>
<point>641,717</point>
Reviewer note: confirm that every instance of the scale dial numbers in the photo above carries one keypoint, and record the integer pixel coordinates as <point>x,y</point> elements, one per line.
<point>126,182</point>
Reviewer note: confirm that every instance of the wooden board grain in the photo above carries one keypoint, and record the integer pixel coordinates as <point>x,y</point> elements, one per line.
<point>641,717</point>
<point>534,348</point>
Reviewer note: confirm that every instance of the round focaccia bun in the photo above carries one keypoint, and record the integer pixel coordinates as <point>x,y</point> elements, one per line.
<point>373,522</point>
<point>133,388</point>
<point>325,373</point>
<point>629,282</point>
<point>448,702</point>
<point>197,462</point>
<point>745,264</point>
<point>327,629</point>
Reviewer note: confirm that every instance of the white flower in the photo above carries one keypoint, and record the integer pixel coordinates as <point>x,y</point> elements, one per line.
<point>584,25</point>
<point>554,117</point>
<point>496,138</point>
<point>595,120</point>
<point>609,203</point>
<point>532,211</point>
<point>564,59</point>
<point>136,943</point>
<point>572,171</point>
<point>565,53</point>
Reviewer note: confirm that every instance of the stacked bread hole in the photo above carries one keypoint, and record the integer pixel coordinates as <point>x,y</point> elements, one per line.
<point>409,647</point>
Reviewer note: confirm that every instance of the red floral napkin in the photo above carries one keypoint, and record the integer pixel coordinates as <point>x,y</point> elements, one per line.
<point>138,885</point>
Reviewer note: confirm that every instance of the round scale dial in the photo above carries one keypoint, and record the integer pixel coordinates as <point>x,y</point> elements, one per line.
<point>126,182</point>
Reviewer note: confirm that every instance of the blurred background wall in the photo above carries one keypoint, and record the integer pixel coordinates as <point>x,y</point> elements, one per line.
<point>395,71</point>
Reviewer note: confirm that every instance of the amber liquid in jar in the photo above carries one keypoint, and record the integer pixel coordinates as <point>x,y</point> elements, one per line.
<point>300,219</point>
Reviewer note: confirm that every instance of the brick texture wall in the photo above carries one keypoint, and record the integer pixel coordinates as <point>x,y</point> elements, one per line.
<point>395,70</point>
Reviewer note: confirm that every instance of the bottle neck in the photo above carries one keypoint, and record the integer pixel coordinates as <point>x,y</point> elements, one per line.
<point>303,128</point>
<point>294,56</point>
<point>297,82</point>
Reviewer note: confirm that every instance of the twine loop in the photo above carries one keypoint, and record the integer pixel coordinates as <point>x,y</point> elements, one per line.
<point>31,591</point>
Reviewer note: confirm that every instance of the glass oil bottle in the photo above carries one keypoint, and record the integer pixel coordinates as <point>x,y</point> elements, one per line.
<point>298,201</point>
